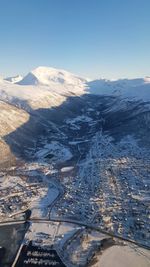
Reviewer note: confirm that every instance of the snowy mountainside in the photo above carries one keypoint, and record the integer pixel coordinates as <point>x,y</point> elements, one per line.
<point>45,91</point>
<point>50,76</point>
<point>133,89</point>
<point>25,109</point>
<point>51,87</point>
<point>53,96</point>
<point>22,96</point>
<point>14,79</point>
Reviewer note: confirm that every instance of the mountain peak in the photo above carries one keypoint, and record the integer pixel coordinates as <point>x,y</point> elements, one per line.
<point>47,76</point>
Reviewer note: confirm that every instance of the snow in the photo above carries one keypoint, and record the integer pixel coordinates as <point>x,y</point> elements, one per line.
<point>74,143</point>
<point>81,118</point>
<point>74,123</point>
<point>22,96</point>
<point>124,256</point>
<point>14,79</point>
<point>106,164</point>
<point>57,233</point>
<point>46,95</point>
<point>133,89</point>
<point>48,76</point>
<point>39,207</point>
<point>67,169</point>
<point>51,87</point>
<point>57,150</point>
<point>147,79</point>
<point>45,228</point>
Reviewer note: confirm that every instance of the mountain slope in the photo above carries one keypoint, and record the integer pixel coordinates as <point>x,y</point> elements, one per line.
<point>46,87</point>
<point>11,118</point>
<point>125,88</point>
<point>14,79</point>
<point>51,87</point>
<point>49,76</point>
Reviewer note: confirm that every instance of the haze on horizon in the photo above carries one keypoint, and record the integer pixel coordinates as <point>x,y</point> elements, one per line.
<point>94,39</point>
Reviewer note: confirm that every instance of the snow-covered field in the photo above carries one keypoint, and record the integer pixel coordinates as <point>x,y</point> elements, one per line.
<point>39,207</point>
<point>124,256</point>
<point>78,246</point>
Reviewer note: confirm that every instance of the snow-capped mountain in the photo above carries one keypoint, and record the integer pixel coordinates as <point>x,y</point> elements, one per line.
<point>49,76</point>
<point>47,90</point>
<point>41,88</point>
<point>14,79</point>
<point>50,87</point>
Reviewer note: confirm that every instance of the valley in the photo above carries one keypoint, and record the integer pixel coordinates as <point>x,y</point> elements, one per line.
<point>72,159</point>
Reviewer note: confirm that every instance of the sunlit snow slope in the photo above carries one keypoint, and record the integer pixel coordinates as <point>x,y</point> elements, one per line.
<point>134,89</point>
<point>46,87</point>
<point>50,76</point>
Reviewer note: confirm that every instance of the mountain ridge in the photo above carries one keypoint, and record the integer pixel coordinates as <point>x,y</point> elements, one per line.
<point>61,81</point>
<point>46,75</point>
<point>50,87</point>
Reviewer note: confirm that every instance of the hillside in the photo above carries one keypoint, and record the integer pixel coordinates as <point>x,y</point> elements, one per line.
<point>90,138</point>
<point>50,76</point>
<point>14,79</point>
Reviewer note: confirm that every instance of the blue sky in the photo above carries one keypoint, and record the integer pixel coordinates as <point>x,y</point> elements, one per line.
<point>92,38</point>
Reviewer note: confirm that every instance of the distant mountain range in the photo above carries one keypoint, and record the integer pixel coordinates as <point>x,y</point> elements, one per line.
<point>61,81</point>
